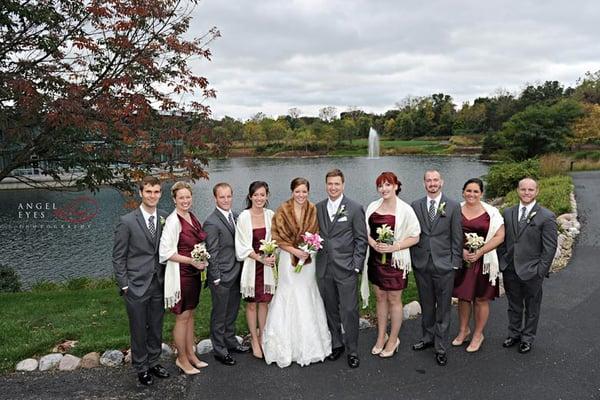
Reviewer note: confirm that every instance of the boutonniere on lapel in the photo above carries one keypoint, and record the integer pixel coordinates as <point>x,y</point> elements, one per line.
<point>341,212</point>
<point>162,221</point>
<point>530,216</point>
<point>442,209</point>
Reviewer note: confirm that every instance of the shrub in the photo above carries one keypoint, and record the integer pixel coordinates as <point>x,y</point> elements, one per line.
<point>504,177</point>
<point>9,280</point>
<point>44,286</point>
<point>554,194</point>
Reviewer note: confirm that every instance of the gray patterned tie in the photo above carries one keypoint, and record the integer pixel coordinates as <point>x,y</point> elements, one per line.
<point>151,226</point>
<point>230,218</point>
<point>431,210</point>
<point>523,218</point>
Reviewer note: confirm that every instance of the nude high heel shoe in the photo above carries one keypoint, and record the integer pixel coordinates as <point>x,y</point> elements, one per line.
<point>475,345</point>
<point>192,371</point>
<point>376,350</point>
<point>388,354</point>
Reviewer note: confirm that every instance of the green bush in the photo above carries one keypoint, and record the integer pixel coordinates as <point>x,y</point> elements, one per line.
<point>554,194</point>
<point>9,280</point>
<point>504,177</point>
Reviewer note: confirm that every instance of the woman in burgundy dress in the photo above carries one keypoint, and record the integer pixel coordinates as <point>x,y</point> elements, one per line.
<point>477,282</point>
<point>389,276</point>
<point>181,233</point>
<point>257,282</point>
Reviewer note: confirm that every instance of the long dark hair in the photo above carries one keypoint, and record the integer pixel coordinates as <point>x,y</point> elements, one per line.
<point>254,186</point>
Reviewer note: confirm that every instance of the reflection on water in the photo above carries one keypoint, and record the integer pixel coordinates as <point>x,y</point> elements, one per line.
<point>57,236</point>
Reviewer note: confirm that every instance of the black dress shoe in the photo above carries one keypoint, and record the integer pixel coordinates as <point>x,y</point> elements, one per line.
<point>159,371</point>
<point>240,348</point>
<point>524,347</point>
<point>145,378</point>
<point>353,361</point>
<point>510,342</point>
<point>421,345</point>
<point>336,353</point>
<point>225,360</point>
<point>441,359</point>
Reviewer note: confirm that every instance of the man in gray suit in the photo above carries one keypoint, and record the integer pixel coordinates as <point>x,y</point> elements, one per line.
<point>342,227</point>
<point>525,258</point>
<point>223,276</point>
<point>435,259</point>
<point>141,279</point>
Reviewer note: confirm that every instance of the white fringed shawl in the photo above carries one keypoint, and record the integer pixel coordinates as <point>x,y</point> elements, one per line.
<point>168,246</point>
<point>406,225</point>
<point>243,248</point>
<point>490,259</point>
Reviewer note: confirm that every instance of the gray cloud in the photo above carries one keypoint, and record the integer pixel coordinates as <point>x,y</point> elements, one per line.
<point>274,55</point>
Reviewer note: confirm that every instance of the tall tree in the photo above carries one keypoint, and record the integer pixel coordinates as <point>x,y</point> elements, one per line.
<point>83,83</point>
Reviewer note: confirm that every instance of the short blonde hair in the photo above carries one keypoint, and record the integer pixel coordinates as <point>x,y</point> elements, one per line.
<point>180,185</point>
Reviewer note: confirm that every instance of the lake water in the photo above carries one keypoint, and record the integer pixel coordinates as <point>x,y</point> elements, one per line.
<point>57,236</point>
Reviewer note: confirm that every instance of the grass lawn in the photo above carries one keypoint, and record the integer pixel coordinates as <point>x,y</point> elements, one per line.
<point>32,323</point>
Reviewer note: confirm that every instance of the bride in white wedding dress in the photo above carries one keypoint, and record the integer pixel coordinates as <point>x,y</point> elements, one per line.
<point>296,328</point>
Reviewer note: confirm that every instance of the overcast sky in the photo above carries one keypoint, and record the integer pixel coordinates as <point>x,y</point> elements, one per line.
<point>370,54</point>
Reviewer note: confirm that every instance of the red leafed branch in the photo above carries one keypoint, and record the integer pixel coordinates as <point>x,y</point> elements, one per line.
<point>93,87</point>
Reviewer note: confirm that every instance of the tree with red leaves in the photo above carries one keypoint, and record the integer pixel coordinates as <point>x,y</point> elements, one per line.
<point>101,88</point>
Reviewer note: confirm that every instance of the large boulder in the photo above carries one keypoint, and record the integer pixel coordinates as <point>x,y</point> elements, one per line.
<point>90,360</point>
<point>27,365</point>
<point>69,362</point>
<point>111,358</point>
<point>411,310</point>
<point>204,346</point>
<point>50,361</point>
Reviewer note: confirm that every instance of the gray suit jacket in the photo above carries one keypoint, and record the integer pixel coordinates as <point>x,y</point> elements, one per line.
<point>442,238</point>
<point>135,253</point>
<point>345,239</point>
<point>220,243</point>
<point>530,249</point>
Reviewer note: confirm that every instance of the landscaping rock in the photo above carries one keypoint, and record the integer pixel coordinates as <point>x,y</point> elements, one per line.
<point>50,361</point>
<point>411,310</point>
<point>364,324</point>
<point>27,365</point>
<point>69,362</point>
<point>167,351</point>
<point>204,346</point>
<point>90,360</point>
<point>111,358</point>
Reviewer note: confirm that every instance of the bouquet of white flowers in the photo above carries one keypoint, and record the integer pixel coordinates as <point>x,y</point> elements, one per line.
<point>474,243</point>
<point>201,254</point>
<point>385,234</point>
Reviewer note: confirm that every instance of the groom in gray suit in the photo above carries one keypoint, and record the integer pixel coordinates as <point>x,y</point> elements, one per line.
<point>223,276</point>
<point>141,279</point>
<point>525,258</point>
<point>342,227</point>
<point>435,259</point>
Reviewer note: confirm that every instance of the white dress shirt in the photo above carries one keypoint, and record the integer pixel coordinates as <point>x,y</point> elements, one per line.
<point>332,206</point>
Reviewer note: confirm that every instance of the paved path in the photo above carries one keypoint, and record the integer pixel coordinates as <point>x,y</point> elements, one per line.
<point>564,363</point>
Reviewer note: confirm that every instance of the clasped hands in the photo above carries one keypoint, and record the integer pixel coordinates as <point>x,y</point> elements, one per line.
<point>268,261</point>
<point>200,265</point>
<point>472,257</point>
<point>382,248</point>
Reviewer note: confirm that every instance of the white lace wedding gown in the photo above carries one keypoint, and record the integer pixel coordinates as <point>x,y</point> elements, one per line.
<point>296,328</point>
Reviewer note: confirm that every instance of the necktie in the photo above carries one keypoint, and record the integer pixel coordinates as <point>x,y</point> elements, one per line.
<point>432,210</point>
<point>230,218</point>
<point>523,216</point>
<point>151,226</point>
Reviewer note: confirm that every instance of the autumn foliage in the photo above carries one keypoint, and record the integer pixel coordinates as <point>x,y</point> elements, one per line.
<point>101,87</point>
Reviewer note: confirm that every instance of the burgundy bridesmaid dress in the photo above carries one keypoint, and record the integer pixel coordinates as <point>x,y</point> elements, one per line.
<point>189,276</point>
<point>259,280</point>
<point>382,275</point>
<point>471,283</point>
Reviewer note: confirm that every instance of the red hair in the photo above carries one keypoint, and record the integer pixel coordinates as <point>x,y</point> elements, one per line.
<point>390,178</point>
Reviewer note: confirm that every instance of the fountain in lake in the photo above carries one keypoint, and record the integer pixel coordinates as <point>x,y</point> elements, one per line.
<point>373,144</point>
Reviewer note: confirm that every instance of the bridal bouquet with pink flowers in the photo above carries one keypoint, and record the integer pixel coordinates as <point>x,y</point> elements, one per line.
<point>312,243</point>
